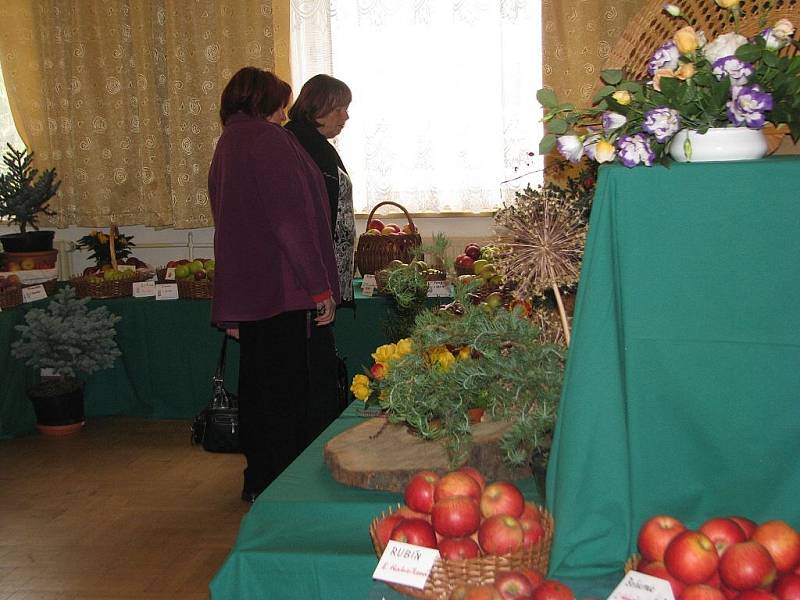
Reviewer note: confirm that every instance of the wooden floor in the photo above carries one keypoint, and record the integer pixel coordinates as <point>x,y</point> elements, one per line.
<point>124,509</point>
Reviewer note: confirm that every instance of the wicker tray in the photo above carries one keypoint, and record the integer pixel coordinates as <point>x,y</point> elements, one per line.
<point>119,288</point>
<point>10,297</point>
<point>448,574</point>
<point>374,252</point>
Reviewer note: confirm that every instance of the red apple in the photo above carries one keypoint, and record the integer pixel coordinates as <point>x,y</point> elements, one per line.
<point>534,576</point>
<point>376,224</point>
<point>475,592</point>
<point>701,591</point>
<point>414,531</point>
<point>787,587</point>
<point>457,483</point>
<point>394,226</point>
<point>462,260</point>
<point>458,548</point>
<point>756,595</point>
<point>502,498</point>
<point>475,474</point>
<point>532,532</point>
<point>419,491</point>
<point>531,512</point>
<point>723,532</point>
<point>747,525</point>
<point>746,566</point>
<point>473,251</point>
<point>657,569</point>
<point>456,516</point>
<point>550,589</point>
<point>781,541</point>
<point>714,580</point>
<point>412,514</point>
<point>513,585</point>
<point>729,593</point>
<point>27,264</point>
<point>691,557</point>
<point>500,534</point>
<point>384,527</point>
<point>655,535</point>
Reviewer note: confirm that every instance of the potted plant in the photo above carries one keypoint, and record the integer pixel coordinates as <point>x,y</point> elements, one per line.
<point>24,193</point>
<point>69,341</point>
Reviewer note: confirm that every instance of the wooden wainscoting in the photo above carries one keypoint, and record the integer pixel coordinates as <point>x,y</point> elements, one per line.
<point>125,509</point>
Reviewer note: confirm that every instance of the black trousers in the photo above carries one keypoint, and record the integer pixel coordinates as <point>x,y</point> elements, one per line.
<point>287,391</point>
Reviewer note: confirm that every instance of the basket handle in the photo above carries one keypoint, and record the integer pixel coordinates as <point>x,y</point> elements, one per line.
<point>405,212</point>
<point>112,234</point>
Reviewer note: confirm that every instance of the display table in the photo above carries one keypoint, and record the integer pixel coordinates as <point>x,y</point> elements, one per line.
<point>169,353</point>
<point>307,536</point>
<point>682,382</point>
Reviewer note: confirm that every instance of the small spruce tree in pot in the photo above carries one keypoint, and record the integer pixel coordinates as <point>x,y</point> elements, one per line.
<point>72,342</point>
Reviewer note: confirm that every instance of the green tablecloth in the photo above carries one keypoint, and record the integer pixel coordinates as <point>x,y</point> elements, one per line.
<point>682,383</point>
<point>307,536</point>
<point>169,353</point>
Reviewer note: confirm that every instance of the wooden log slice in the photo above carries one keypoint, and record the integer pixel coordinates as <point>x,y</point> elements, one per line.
<point>373,458</point>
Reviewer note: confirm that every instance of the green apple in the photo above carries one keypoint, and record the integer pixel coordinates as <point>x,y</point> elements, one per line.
<point>195,266</point>
<point>209,265</point>
<point>479,265</point>
<point>182,271</point>
<point>494,299</point>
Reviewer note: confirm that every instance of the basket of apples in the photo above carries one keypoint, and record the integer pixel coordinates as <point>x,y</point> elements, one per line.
<point>10,291</point>
<point>195,278</point>
<point>382,243</point>
<point>726,558</point>
<point>481,530</point>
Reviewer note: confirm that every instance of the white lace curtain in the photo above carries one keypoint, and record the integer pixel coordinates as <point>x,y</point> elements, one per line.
<point>444,108</point>
<point>8,132</point>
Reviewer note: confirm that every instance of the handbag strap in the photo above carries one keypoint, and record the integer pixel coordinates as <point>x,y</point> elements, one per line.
<point>220,374</point>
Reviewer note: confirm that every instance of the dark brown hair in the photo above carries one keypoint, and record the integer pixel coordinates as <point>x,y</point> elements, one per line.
<point>255,92</point>
<point>319,96</point>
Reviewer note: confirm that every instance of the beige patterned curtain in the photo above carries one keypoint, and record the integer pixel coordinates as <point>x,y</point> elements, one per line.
<point>122,98</point>
<point>577,38</point>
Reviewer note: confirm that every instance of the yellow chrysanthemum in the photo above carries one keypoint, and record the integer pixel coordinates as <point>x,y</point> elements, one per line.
<point>465,353</point>
<point>442,357</point>
<point>385,353</point>
<point>361,392</point>
<point>403,347</point>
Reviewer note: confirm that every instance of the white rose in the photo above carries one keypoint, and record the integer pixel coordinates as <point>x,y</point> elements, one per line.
<point>779,34</point>
<point>724,45</point>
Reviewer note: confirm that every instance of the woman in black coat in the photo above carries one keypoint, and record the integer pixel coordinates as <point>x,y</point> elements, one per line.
<point>319,114</point>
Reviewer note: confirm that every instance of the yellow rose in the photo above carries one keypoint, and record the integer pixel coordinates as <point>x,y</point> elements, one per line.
<point>385,353</point>
<point>686,71</point>
<point>442,357</point>
<point>727,3</point>
<point>622,97</point>
<point>686,40</point>
<point>465,353</point>
<point>403,347</point>
<point>361,380</point>
<point>361,392</point>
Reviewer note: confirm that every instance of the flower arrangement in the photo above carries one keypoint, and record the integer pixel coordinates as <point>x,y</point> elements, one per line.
<point>98,243</point>
<point>461,357</point>
<point>695,84</point>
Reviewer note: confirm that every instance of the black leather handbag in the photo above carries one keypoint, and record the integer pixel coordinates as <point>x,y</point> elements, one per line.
<point>216,428</point>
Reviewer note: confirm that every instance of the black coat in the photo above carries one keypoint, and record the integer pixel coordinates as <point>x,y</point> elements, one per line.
<point>327,158</point>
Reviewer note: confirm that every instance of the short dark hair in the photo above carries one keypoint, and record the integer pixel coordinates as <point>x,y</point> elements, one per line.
<point>255,92</point>
<point>319,96</point>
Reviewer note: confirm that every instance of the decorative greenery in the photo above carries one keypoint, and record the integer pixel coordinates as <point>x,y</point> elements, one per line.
<point>23,191</point>
<point>68,337</point>
<point>98,243</point>
<point>460,357</point>
<point>730,81</point>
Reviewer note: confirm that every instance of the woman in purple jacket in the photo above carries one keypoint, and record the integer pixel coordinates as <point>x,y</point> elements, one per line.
<point>275,280</point>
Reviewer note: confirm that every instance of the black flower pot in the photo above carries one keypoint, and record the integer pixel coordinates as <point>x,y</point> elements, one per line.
<point>58,406</point>
<point>30,241</point>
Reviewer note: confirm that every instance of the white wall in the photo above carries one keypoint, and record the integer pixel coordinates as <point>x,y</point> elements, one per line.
<point>157,246</point>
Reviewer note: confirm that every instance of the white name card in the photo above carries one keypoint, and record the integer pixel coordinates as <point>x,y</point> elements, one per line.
<point>639,586</point>
<point>439,289</point>
<point>126,268</point>
<point>144,289</point>
<point>167,291</point>
<point>33,293</point>
<point>170,274</point>
<point>406,564</point>
<point>368,285</point>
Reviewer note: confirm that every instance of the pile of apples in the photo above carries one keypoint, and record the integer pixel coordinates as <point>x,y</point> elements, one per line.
<point>478,261</point>
<point>10,281</point>
<point>527,584</point>
<point>198,269</point>
<point>726,558</point>
<point>28,264</point>
<point>377,227</point>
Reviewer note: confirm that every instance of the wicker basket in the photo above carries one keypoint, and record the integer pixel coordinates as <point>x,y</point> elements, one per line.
<point>120,288</point>
<point>10,297</point>
<point>448,574</point>
<point>633,562</point>
<point>195,289</point>
<point>374,252</point>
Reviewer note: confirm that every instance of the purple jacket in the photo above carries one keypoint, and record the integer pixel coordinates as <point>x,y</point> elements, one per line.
<point>272,243</point>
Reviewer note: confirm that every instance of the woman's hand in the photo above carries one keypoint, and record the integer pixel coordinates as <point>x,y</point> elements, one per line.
<point>232,332</point>
<point>326,311</point>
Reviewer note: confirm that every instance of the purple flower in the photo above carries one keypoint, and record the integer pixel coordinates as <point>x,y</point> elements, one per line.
<point>613,120</point>
<point>730,66</point>
<point>666,57</point>
<point>634,150</point>
<point>748,106</point>
<point>662,122</point>
<point>570,147</point>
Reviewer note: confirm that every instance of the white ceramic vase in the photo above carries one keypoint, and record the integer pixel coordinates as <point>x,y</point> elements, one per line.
<point>718,144</point>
